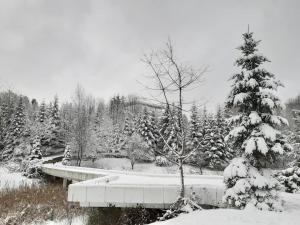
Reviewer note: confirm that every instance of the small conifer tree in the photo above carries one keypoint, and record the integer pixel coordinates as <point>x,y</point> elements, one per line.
<point>67,156</point>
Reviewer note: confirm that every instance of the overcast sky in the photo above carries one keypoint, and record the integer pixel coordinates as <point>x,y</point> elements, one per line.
<point>47,47</point>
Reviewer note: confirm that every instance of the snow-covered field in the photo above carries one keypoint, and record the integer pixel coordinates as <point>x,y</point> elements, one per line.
<point>250,216</point>
<point>124,164</point>
<point>13,179</point>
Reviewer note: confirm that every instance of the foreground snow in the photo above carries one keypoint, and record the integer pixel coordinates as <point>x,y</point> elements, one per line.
<point>13,179</point>
<point>249,216</point>
<point>80,220</point>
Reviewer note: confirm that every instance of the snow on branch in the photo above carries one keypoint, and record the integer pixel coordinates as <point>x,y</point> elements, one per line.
<point>268,132</point>
<point>254,118</point>
<point>240,98</point>
<point>268,102</point>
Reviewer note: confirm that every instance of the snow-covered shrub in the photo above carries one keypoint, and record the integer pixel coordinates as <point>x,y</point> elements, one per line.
<point>35,152</point>
<point>67,156</point>
<point>162,161</point>
<point>32,168</point>
<point>136,149</point>
<point>246,185</point>
<point>290,179</point>
<point>182,205</point>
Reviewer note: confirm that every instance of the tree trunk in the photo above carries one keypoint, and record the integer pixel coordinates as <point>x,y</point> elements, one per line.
<point>65,183</point>
<point>201,171</point>
<point>77,163</point>
<point>182,191</point>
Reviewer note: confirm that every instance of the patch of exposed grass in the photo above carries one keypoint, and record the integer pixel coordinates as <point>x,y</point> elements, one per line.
<point>36,203</point>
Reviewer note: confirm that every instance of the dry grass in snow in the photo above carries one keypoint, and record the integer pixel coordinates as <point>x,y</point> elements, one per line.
<point>34,204</point>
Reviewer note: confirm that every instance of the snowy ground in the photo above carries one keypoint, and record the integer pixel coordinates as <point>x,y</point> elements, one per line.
<point>13,179</point>
<point>80,220</point>
<point>10,179</point>
<point>291,215</point>
<point>124,164</point>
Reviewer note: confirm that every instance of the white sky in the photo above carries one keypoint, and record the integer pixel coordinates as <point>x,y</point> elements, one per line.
<point>47,47</point>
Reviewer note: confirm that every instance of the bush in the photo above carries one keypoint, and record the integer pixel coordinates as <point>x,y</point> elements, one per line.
<point>290,179</point>
<point>123,216</point>
<point>162,161</point>
<point>136,149</point>
<point>32,168</point>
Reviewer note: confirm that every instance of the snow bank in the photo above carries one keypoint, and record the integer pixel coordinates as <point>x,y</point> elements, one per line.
<point>249,216</point>
<point>80,220</point>
<point>13,180</point>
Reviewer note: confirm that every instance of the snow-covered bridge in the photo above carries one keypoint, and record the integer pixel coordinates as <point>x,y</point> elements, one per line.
<point>101,188</point>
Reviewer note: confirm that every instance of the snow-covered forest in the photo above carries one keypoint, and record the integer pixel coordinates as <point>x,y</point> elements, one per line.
<point>215,143</point>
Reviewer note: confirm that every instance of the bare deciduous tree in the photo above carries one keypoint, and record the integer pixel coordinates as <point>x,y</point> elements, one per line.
<point>173,79</point>
<point>83,109</point>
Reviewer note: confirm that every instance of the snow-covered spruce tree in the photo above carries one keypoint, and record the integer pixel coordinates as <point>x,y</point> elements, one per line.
<point>194,131</point>
<point>116,138</point>
<point>153,129</point>
<point>174,134</point>
<point>145,128</point>
<point>67,156</point>
<point>36,149</point>
<point>207,140</point>
<point>2,126</point>
<point>253,95</point>
<point>16,130</point>
<point>44,125</point>
<point>32,166</point>
<point>54,116</point>
<point>56,137</point>
<point>205,121</point>
<point>48,113</point>
<point>163,128</point>
<point>296,137</point>
<point>42,112</point>
<point>221,121</point>
<point>127,129</point>
<point>194,140</point>
<point>217,152</point>
<point>170,137</point>
<point>100,114</point>
<point>205,128</point>
<point>290,177</point>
